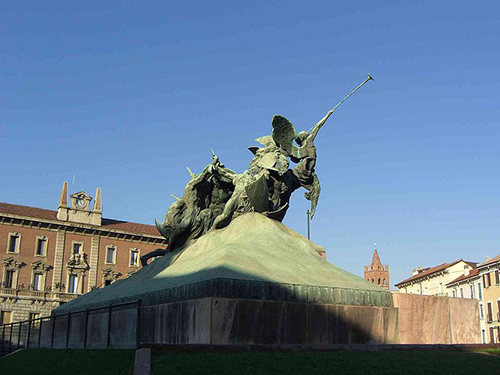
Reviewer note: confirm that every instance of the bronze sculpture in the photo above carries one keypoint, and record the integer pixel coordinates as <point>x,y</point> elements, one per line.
<point>218,194</point>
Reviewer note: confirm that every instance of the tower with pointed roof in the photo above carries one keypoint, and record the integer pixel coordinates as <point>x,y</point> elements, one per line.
<point>376,272</point>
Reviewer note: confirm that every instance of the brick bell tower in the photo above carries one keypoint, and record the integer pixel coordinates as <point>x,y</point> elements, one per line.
<point>376,273</point>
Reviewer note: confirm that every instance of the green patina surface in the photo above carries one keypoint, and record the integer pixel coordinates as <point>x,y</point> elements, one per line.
<point>254,257</point>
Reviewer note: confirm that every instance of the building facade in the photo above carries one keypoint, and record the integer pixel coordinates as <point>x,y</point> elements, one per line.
<point>433,280</point>
<point>489,273</point>
<point>50,257</point>
<point>377,273</point>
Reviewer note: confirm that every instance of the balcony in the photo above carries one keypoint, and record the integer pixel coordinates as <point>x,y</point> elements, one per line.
<point>37,295</point>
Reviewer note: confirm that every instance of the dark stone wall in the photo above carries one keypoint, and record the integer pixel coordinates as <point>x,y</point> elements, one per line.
<point>236,321</point>
<point>231,321</point>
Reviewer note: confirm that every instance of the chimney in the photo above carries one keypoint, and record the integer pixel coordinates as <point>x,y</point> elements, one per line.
<point>417,270</point>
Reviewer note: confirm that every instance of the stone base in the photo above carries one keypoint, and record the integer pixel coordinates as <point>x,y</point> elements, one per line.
<point>437,320</point>
<point>231,321</point>
<point>239,322</point>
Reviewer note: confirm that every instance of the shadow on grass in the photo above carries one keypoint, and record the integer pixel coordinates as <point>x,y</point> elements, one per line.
<point>75,362</point>
<point>341,362</point>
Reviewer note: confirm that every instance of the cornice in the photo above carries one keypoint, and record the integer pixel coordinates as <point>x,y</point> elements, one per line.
<point>418,280</point>
<point>487,267</point>
<point>55,225</point>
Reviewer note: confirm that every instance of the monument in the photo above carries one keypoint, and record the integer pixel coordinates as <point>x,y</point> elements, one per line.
<point>232,273</point>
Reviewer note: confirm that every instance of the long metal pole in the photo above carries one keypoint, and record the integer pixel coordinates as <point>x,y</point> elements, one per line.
<point>138,325</point>
<point>67,328</point>
<point>53,320</point>
<point>39,332</point>
<point>3,335</point>
<point>108,339</point>
<point>10,336</point>
<point>19,335</point>
<point>86,329</point>
<point>308,214</point>
<point>27,345</point>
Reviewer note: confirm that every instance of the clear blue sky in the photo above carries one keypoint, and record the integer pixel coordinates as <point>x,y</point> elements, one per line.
<point>127,94</point>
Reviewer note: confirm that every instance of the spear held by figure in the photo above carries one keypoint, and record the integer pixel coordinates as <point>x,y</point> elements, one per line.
<point>314,130</point>
<point>284,134</point>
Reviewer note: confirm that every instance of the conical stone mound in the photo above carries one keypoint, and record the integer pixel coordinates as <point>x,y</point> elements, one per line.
<point>254,258</point>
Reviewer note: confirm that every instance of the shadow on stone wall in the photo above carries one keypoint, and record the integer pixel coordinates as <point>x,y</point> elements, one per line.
<point>242,310</point>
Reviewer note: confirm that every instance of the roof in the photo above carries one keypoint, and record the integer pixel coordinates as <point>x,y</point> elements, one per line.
<point>430,270</point>
<point>44,214</point>
<point>376,259</point>
<point>472,273</point>
<point>488,262</point>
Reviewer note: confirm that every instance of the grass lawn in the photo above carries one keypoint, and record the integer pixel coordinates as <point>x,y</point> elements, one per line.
<point>68,362</point>
<point>110,362</point>
<point>352,363</point>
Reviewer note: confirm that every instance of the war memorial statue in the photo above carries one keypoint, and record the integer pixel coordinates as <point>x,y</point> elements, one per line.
<point>217,195</point>
<point>234,274</point>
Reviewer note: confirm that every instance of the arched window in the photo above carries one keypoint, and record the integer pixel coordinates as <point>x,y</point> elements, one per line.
<point>373,280</point>
<point>383,282</point>
<point>379,281</point>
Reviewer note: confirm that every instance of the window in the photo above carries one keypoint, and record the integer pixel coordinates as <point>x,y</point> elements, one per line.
<point>479,291</point>
<point>37,281</point>
<point>41,246</point>
<point>110,255</point>
<point>14,240</point>
<point>490,312</point>
<point>481,311</point>
<point>73,284</point>
<point>471,287</point>
<point>107,282</point>
<point>378,281</point>
<point>486,280</point>
<point>498,309</point>
<point>77,248</point>
<point>383,282</point>
<point>461,292</point>
<point>134,257</point>
<point>5,317</point>
<point>497,277</point>
<point>9,279</point>
<point>454,293</point>
<point>483,336</point>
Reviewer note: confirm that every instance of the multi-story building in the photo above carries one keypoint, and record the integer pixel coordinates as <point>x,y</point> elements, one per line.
<point>489,273</point>
<point>433,280</point>
<point>49,257</point>
<point>377,273</point>
<point>469,285</point>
